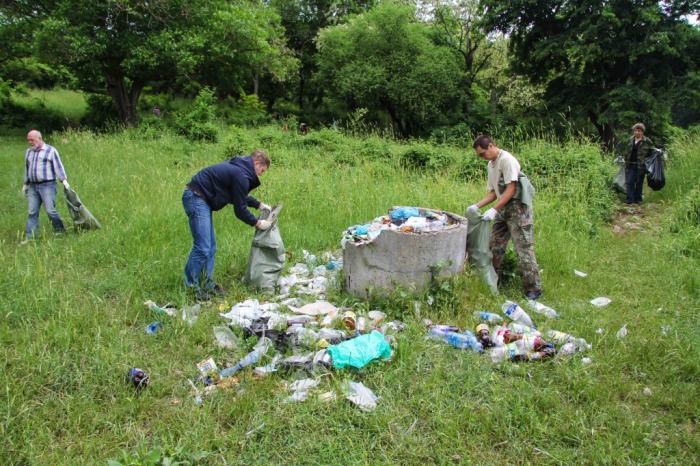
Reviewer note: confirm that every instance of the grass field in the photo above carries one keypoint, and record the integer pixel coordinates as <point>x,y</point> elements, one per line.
<point>73,320</point>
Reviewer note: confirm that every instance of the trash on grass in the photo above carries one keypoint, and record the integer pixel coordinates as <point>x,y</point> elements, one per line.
<point>600,302</point>
<point>360,351</point>
<point>168,309</point>
<point>225,337</point>
<point>138,377</point>
<point>153,327</point>
<point>542,309</point>
<point>360,395</point>
<point>189,313</point>
<point>580,274</point>
<point>622,333</point>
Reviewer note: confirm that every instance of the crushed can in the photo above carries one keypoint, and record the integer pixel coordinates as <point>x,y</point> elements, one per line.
<point>138,377</point>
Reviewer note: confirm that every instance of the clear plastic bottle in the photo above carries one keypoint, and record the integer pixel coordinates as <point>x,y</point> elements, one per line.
<point>516,313</point>
<point>509,351</point>
<point>561,338</point>
<point>542,309</point>
<point>488,316</point>
<point>520,328</point>
<point>465,340</point>
<point>251,358</point>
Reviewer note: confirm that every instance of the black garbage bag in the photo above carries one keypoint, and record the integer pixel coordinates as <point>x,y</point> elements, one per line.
<point>655,168</point>
<point>267,255</point>
<point>82,218</point>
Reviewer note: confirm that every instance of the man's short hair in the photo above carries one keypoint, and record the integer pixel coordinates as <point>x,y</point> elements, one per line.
<point>259,156</point>
<point>482,141</point>
<point>639,126</point>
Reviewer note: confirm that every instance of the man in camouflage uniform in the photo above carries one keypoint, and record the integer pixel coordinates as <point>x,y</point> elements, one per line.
<point>512,213</point>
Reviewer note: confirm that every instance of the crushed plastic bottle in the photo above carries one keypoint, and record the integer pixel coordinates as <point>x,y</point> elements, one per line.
<point>521,350</point>
<point>516,313</point>
<point>488,316</point>
<point>168,309</point>
<point>251,358</point>
<point>542,309</point>
<point>465,340</point>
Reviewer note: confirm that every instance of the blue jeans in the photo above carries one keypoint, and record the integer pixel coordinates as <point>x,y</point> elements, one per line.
<point>634,178</point>
<point>200,264</point>
<point>42,193</point>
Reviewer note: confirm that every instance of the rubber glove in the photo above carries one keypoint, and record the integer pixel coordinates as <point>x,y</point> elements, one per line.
<point>65,184</point>
<point>264,224</point>
<point>489,214</point>
<point>25,189</point>
<point>472,208</point>
<point>264,206</point>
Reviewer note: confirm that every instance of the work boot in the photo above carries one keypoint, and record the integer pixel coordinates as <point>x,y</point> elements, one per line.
<point>534,294</point>
<point>218,291</point>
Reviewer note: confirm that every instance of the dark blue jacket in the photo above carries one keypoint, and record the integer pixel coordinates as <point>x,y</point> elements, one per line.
<point>229,182</point>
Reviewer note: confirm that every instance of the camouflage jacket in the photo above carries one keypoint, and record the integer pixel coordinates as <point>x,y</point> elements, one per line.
<point>645,150</point>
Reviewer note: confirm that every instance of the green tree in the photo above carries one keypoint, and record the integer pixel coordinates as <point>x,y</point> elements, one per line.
<point>384,60</point>
<point>118,47</point>
<point>598,57</point>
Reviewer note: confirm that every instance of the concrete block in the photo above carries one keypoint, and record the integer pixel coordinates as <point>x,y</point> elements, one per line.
<point>404,259</point>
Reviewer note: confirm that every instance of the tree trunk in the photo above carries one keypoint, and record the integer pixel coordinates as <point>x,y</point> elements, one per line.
<point>606,132</point>
<point>125,97</point>
<point>256,79</point>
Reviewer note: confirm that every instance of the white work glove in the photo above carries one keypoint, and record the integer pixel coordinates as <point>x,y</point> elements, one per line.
<point>489,214</point>
<point>25,189</point>
<point>473,208</point>
<point>264,224</point>
<point>65,184</point>
<point>264,206</point>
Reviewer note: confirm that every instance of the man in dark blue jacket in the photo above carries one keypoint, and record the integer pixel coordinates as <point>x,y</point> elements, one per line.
<point>212,189</point>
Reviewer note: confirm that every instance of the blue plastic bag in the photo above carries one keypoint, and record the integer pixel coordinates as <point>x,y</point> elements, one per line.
<point>360,351</point>
<point>405,212</point>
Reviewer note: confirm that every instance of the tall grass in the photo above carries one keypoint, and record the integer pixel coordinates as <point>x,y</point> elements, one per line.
<point>73,321</point>
<point>70,104</point>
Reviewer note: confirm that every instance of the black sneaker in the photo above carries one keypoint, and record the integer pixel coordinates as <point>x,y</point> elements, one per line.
<point>534,294</point>
<point>218,291</point>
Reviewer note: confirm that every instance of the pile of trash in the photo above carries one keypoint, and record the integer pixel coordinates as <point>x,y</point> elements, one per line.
<point>313,339</point>
<point>404,219</point>
<point>310,277</point>
<point>518,340</point>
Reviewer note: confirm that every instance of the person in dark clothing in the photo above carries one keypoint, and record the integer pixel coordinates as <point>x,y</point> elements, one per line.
<point>640,149</point>
<point>210,190</point>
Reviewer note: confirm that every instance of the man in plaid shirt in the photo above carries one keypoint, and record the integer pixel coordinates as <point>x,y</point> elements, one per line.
<point>41,170</point>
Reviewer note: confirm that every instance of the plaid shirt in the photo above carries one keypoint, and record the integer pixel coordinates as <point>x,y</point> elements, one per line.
<point>43,164</point>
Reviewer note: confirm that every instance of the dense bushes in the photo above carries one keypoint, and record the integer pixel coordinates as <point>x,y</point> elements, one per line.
<point>196,124</point>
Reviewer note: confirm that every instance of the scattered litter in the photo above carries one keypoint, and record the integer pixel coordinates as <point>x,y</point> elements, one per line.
<point>600,302</point>
<point>153,327</point>
<point>622,333</point>
<point>207,366</point>
<point>138,377</point>
<point>168,309</point>
<point>303,385</point>
<point>542,309</point>
<point>665,329</point>
<point>516,313</point>
<point>600,331</point>
<point>580,274</point>
<point>360,395</point>
<point>225,337</point>
<point>586,360</point>
<point>314,309</point>
<point>327,397</point>
<point>360,351</point>
<point>189,314</point>
<point>647,391</point>
<point>198,394</point>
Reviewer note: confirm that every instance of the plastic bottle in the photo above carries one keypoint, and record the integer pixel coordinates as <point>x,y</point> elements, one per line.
<point>542,309</point>
<point>168,309</point>
<point>561,338</point>
<point>488,316</point>
<point>483,334</point>
<point>465,340</point>
<point>516,313</point>
<point>535,343</point>
<point>509,351</point>
<point>251,358</point>
<point>524,329</point>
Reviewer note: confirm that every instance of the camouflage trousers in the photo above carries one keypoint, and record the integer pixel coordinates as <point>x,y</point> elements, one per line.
<point>515,221</point>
